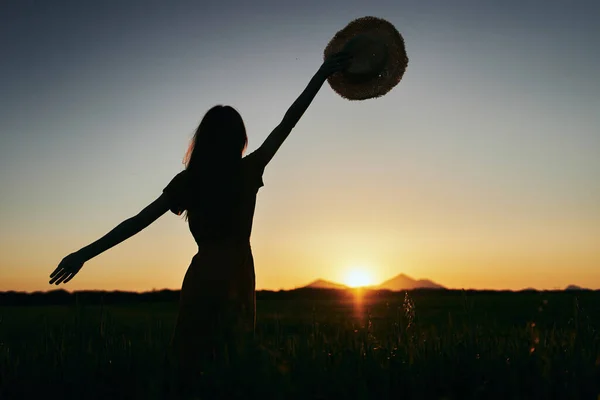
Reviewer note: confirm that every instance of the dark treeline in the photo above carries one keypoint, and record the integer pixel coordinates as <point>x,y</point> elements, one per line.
<point>63,297</point>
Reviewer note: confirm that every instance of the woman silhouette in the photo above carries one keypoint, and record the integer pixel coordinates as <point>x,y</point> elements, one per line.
<point>217,193</point>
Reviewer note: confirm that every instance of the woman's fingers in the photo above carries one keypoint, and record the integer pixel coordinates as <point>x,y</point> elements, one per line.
<point>341,61</point>
<point>63,276</point>
<point>60,274</point>
<point>342,57</point>
<point>56,277</point>
<point>55,272</point>
<point>69,277</point>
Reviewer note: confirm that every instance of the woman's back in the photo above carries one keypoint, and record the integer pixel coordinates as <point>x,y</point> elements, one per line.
<point>219,202</point>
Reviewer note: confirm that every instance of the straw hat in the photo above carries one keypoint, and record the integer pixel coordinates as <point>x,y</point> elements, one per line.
<point>379,58</point>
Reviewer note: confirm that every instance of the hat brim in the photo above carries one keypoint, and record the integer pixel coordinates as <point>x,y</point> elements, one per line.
<point>380,81</point>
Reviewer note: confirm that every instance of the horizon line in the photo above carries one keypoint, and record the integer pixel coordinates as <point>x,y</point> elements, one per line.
<point>370,288</point>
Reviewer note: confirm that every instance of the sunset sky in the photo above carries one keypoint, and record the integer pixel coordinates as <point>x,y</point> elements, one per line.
<point>481,169</point>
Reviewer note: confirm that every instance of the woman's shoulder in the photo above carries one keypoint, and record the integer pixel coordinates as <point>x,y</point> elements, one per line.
<point>254,159</point>
<point>180,177</point>
<point>176,192</point>
<point>249,158</point>
<point>178,183</point>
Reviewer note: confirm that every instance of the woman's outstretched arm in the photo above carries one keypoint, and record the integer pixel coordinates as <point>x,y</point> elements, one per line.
<point>337,62</point>
<point>72,263</point>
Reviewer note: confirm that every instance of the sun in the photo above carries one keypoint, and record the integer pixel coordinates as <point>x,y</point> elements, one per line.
<point>358,277</point>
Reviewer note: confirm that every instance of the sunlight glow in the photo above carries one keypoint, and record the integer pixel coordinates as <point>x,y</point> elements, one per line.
<point>358,277</point>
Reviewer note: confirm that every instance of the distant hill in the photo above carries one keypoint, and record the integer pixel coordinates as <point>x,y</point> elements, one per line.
<point>529,289</point>
<point>323,284</point>
<point>400,282</point>
<point>574,287</point>
<point>404,282</point>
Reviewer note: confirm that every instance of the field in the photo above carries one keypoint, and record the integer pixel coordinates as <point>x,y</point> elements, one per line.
<point>414,345</point>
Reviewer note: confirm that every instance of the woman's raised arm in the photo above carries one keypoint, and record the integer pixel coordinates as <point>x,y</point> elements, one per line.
<point>335,63</point>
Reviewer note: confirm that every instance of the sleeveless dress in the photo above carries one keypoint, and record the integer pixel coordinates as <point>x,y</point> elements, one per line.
<point>217,307</point>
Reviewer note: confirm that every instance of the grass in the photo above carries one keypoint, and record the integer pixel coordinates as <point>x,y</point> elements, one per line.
<point>416,345</point>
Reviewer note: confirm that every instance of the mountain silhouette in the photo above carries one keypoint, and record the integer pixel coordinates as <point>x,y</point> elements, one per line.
<point>529,289</point>
<point>397,283</point>
<point>404,282</point>
<point>574,287</point>
<point>323,284</point>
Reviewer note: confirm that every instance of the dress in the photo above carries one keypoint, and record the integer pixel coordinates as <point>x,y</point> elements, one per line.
<point>218,303</point>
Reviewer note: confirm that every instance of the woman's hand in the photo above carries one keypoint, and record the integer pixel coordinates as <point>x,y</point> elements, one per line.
<point>68,268</point>
<point>335,63</point>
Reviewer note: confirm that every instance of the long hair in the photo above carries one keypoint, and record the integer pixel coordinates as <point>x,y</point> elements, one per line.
<point>221,135</point>
<point>215,151</point>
